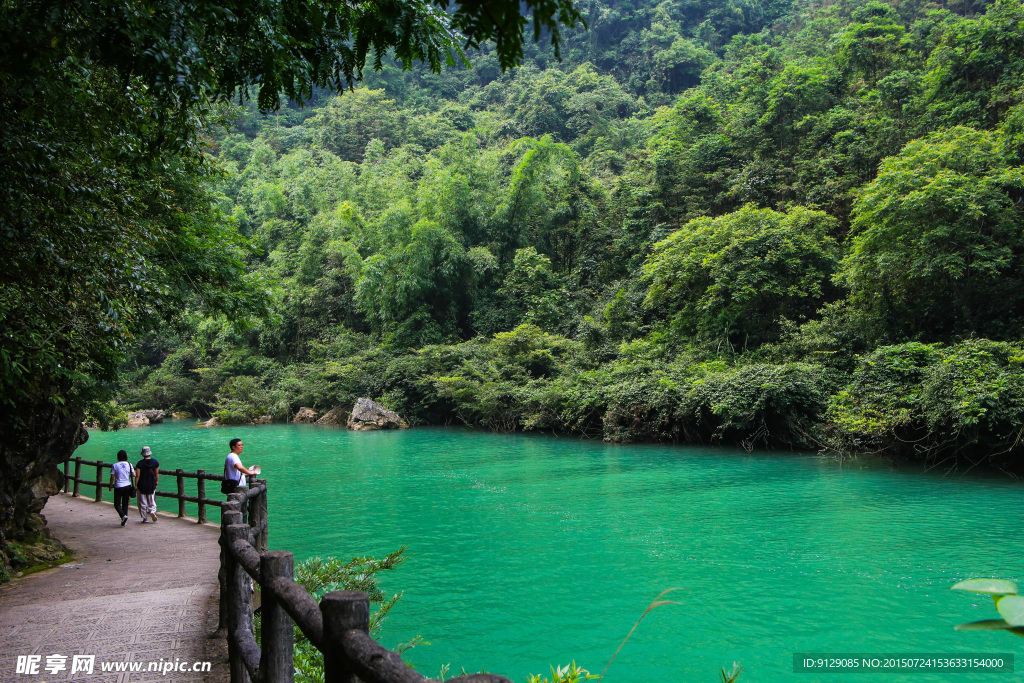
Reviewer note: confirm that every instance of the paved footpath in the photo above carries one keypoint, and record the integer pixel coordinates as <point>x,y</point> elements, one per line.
<point>139,593</point>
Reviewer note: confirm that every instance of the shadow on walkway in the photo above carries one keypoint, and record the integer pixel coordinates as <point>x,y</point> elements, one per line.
<point>142,593</point>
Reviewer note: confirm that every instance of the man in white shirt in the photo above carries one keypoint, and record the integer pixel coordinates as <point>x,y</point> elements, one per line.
<point>233,467</point>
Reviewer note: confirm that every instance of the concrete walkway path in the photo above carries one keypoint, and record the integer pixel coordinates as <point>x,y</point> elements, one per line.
<point>142,593</point>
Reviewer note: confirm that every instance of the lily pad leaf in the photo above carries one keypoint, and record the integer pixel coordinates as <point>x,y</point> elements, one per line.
<point>1011,608</point>
<point>985,625</point>
<point>989,586</point>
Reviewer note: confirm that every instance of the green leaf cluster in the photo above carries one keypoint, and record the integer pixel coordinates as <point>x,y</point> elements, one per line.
<point>1009,605</point>
<point>963,402</point>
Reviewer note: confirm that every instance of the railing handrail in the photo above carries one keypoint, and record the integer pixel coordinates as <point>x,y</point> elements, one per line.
<point>201,477</point>
<point>200,474</point>
<point>338,626</point>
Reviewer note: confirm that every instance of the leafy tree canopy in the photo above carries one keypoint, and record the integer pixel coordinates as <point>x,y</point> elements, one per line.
<point>189,52</point>
<point>735,276</point>
<point>937,243</point>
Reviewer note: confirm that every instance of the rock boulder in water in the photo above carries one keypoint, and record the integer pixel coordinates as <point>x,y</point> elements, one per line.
<point>368,415</point>
<point>306,416</point>
<point>334,416</point>
<point>155,417</point>
<point>138,419</point>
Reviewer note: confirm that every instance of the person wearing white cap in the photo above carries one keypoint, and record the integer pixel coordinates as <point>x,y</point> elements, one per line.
<point>147,475</point>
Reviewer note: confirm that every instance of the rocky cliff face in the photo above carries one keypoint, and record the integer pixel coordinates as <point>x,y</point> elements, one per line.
<point>33,441</point>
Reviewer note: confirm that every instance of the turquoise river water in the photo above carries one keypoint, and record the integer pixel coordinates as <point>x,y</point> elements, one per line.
<point>526,551</point>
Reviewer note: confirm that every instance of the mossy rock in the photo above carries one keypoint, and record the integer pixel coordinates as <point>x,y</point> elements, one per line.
<point>35,554</point>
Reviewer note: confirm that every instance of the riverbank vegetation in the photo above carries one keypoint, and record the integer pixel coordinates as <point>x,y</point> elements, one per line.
<point>767,223</point>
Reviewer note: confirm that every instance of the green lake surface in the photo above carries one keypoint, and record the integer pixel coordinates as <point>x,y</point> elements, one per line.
<point>526,551</point>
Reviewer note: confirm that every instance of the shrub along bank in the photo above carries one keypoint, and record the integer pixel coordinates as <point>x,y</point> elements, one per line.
<point>958,404</point>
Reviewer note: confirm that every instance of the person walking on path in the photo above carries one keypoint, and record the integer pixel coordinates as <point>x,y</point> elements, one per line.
<point>147,476</point>
<point>233,468</point>
<point>121,480</point>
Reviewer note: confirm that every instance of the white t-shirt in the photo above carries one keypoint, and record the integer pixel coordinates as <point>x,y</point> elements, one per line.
<point>232,472</point>
<point>122,474</point>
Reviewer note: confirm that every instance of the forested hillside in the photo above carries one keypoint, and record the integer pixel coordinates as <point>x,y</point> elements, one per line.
<point>762,222</point>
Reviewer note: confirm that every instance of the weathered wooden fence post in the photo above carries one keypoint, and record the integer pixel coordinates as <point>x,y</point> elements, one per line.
<point>239,602</point>
<point>67,482</point>
<point>99,480</point>
<point>259,518</point>
<point>254,518</point>
<point>342,611</point>
<point>228,515</point>
<point>201,495</point>
<point>181,491</point>
<point>277,660</point>
<point>78,475</point>
<point>222,574</point>
<point>242,507</point>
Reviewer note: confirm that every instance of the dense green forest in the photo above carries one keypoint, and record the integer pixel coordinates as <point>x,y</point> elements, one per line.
<point>773,223</point>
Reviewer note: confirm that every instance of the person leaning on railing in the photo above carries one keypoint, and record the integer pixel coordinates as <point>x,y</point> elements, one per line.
<point>233,468</point>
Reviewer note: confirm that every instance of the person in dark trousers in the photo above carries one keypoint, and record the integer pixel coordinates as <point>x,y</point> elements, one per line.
<point>233,468</point>
<point>147,476</point>
<point>121,480</point>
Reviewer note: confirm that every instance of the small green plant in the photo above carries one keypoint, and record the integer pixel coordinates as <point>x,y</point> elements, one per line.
<point>731,676</point>
<point>446,669</point>
<point>570,673</point>
<point>322,575</point>
<point>1009,605</point>
<point>416,641</point>
<point>657,602</point>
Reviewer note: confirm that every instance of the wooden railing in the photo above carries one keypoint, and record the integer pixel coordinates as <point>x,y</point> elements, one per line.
<point>73,482</point>
<point>338,626</point>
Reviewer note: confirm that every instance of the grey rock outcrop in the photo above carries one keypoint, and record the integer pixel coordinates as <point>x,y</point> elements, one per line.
<point>155,417</point>
<point>212,422</point>
<point>369,415</point>
<point>138,419</point>
<point>263,420</point>
<point>34,440</point>
<point>334,416</point>
<point>306,416</point>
